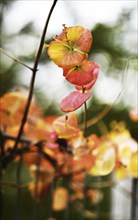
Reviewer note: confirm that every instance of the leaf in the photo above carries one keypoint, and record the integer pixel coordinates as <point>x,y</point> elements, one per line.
<point>121,172</point>
<point>64,56</point>
<point>104,160</point>
<point>67,126</point>
<point>73,101</point>
<point>77,37</point>
<point>39,129</point>
<point>83,74</point>
<point>91,84</point>
<point>12,106</point>
<point>71,47</point>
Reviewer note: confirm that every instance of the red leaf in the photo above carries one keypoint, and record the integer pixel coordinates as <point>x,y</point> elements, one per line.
<point>83,74</point>
<point>91,84</point>
<point>73,101</point>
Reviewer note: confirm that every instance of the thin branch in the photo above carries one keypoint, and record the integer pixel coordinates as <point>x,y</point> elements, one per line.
<point>28,103</point>
<point>37,58</point>
<point>85,119</point>
<point>108,108</point>
<point>84,115</point>
<point>15,59</point>
<point>13,138</point>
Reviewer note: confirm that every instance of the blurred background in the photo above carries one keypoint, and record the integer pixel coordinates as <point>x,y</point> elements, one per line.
<point>114,48</point>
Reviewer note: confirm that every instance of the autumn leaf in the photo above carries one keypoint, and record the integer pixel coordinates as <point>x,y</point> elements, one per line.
<point>67,126</point>
<point>12,106</point>
<point>89,85</point>
<point>121,172</point>
<point>104,160</point>
<point>39,129</point>
<point>70,48</point>
<point>73,101</point>
<point>83,74</point>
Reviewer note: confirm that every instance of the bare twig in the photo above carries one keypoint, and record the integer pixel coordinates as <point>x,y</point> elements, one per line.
<point>28,103</point>
<point>34,71</point>
<point>85,119</point>
<point>15,59</point>
<point>13,138</point>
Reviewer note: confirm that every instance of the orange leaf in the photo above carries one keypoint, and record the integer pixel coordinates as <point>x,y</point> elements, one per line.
<point>67,126</point>
<point>12,107</point>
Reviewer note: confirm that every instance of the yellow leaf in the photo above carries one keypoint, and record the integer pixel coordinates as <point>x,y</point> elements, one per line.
<point>104,160</point>
<point>121,172</point>
<point>71,47</point>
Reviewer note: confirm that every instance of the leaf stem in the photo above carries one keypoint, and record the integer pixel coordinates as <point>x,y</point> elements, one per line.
<point>85,115</point>
<point>85,119</point>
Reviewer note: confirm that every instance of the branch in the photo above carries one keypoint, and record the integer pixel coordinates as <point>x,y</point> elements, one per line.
<point>15,59</point>
<point>85,119</point>
<point>34,71</point>
<point>9,137</point>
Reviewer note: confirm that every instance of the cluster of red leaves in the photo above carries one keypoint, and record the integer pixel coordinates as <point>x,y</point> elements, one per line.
<point>65,152</point>
<point>69,51</point>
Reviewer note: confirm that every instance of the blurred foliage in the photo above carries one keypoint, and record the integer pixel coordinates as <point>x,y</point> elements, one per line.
<point>105,41</point>
<point>43,209</point>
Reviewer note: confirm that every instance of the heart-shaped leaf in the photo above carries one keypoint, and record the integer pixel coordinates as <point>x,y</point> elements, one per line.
<point>73,101</point>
